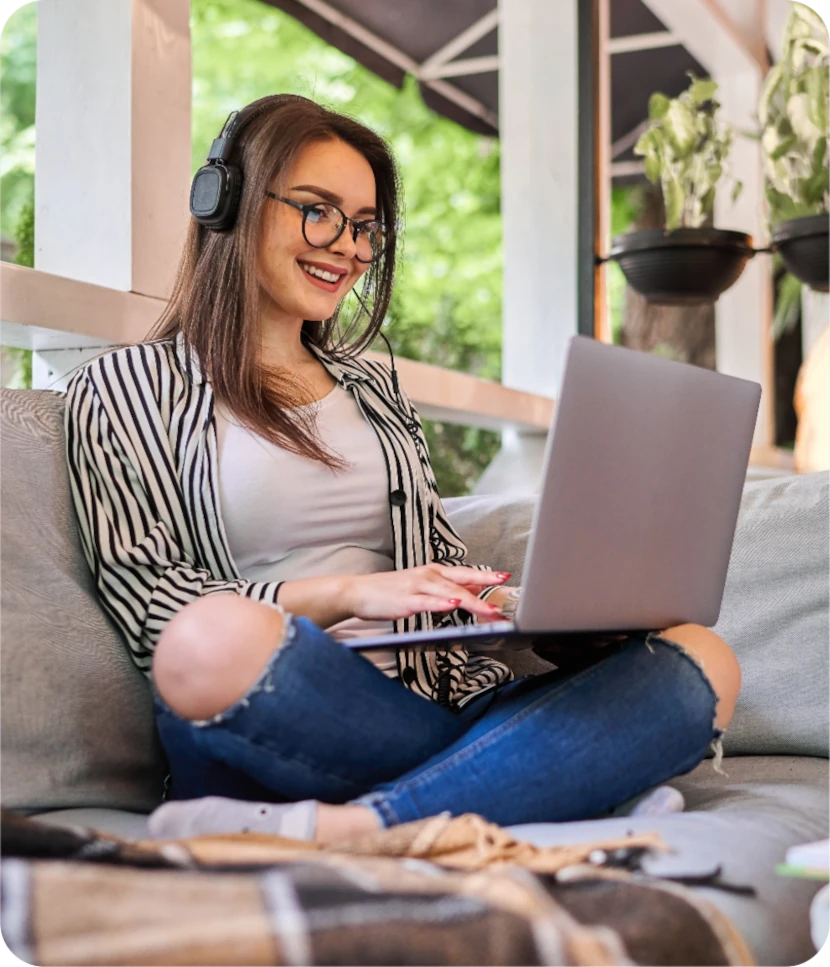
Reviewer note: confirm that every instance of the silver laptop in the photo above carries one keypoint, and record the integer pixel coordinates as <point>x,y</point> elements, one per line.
<point>644,470</point>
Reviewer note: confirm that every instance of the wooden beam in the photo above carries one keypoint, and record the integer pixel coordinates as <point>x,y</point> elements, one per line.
<point>626,169</point>
<point>462,41</point>
<point>635,42</point>
<point>629,139</point>
<point>73,310</point>
<point>49,312</point>
<point>461,68</point>
<point>444,394</point>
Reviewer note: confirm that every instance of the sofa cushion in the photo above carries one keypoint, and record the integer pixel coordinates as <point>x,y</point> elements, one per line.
<point>744,824</point>
<point>775,617</point>
<point>77,719</point>
<point>774,613</point>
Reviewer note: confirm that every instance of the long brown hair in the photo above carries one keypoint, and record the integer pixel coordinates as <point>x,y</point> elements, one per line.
<point>215,300</point>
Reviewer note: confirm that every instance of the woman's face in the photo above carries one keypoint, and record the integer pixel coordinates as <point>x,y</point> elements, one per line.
<point>325,171</point>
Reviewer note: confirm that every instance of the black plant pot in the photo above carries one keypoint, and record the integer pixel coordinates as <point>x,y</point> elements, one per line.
<point>685,267</point>
<point>802,243</point>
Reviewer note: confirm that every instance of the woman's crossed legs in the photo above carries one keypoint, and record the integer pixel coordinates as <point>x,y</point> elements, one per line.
<point>310,719</point>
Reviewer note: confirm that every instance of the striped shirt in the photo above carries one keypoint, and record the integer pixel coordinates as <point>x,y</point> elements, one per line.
<point>143,467</point>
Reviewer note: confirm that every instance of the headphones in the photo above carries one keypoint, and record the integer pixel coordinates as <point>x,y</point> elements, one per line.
<point>217,186</point>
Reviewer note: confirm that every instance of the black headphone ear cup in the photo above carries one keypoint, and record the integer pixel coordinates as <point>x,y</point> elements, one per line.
<point>233,196</point>
<point>214,196</point>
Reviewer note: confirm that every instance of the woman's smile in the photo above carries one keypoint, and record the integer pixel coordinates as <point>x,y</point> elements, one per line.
<point>323,274</point>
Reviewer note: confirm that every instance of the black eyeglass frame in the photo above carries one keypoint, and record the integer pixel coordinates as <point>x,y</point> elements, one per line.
<point>307,207</point>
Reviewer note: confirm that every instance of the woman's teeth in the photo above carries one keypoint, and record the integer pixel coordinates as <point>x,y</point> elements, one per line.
<point>320,273</point>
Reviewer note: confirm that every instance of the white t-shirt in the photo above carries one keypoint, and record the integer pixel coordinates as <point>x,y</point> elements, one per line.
<point>289,517</point>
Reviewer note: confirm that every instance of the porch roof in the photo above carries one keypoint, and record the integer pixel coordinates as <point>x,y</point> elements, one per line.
<point>452,49</point>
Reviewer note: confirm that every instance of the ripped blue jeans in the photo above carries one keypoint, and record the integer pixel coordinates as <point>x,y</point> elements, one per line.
<point>322,722</point>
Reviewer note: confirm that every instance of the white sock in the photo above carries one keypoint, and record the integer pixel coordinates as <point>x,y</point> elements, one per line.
<point>215,814</point>
<point>660,802</point>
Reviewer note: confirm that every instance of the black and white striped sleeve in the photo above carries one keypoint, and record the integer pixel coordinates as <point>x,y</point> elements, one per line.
<point>142,574</point>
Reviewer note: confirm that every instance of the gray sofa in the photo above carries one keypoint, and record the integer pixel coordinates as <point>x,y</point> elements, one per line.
<point>77,732</point>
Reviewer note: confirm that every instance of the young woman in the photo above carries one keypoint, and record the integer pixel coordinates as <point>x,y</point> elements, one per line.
<point>251,492</point>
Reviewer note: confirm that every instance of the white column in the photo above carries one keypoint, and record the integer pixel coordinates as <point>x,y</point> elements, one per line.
<point>742,314</point>
<point>82,176</point>
<point>538,126</point>
<point>113,144</point>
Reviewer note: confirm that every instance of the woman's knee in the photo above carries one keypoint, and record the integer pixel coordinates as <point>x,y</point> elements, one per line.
<point>718,662</point>
<point>212,652</point>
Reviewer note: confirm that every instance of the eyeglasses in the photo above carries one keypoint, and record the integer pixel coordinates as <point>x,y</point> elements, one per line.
<point>324,223</point>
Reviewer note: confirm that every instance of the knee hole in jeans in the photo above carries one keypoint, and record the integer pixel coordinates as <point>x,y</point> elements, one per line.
<point>213,652</point>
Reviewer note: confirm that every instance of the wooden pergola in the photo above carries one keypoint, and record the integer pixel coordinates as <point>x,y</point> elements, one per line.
<point>113,172</point>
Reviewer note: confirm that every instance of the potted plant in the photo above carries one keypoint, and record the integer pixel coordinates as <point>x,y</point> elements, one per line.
<point>685,149</point>
<point>794,122</point>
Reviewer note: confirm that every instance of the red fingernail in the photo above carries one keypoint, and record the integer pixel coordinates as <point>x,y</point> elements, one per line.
<point>454,601</point>
<point>503,575</point>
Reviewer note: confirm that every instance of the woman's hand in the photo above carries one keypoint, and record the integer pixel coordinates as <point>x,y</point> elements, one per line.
<point>433,587</point>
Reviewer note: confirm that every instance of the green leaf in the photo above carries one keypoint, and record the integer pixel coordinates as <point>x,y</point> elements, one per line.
<point>674,199</point>
<point>781,206</point>
<point>737,188</point>
<point>646,143</point>
<point>771,84</point>
<point>820,154</point>
<point>652,167</point>
<point>815,83</point>
<point>814,47</point>
<point>770,140</point>
<point>783,147</point>
<point>658,105</point>
<point>802,125</point>
<point>25,234</point>
<point>702,91</point>
<point>680,128</point>
<point>814,188</point>
<point>787,306</point>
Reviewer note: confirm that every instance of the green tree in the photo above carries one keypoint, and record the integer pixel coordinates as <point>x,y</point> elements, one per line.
<point>18,48</point>
<point>18,52</point>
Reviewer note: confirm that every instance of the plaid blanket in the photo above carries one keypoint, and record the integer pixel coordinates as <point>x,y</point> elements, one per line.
<point>440,891</point>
